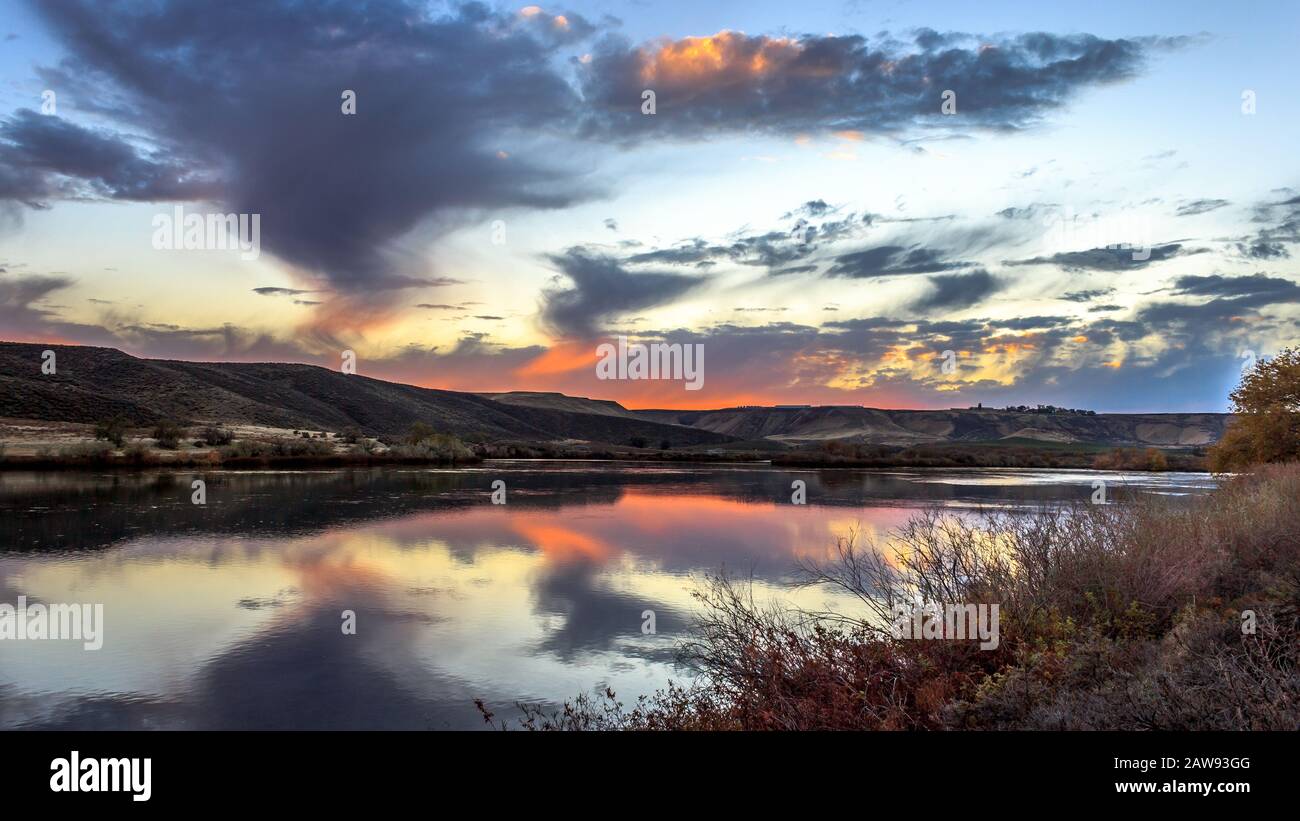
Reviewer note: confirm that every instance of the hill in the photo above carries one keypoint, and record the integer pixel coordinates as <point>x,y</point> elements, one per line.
<point>901,427</point>
<point>95,383</point>
<point>91,384</point>
<point>560,401</point>
<point>851,424</point>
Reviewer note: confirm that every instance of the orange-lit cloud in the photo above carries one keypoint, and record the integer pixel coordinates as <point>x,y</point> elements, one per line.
<point>701,59</point>
<point>562,357</point>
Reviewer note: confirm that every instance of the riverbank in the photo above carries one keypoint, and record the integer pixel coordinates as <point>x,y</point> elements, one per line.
<point>1157,614</point>
<point>1003,454</point>
<point>33,445</point>
<point>30,445</point>
<point>214,461</point>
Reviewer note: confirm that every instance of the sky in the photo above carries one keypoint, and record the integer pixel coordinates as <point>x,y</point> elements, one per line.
<point>889,204</point>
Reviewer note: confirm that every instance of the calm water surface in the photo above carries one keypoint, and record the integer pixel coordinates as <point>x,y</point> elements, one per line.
<point>229,615</point>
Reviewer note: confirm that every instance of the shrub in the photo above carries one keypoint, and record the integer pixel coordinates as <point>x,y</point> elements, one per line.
<point>418,432</point>
<point>167,434</point>
<point>112,430</point>
<point>217,436</point>
<point>247,449</point>
<point>87,452</point>
<point>440,447</point>
<point>302,447</point>
<point>136,452</point>
<point>1132,459</point>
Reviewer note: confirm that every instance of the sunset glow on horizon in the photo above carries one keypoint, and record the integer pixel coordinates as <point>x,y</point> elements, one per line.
<point>1092,215</point>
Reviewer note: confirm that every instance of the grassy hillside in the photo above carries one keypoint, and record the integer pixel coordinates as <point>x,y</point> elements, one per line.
<point>558,401</point>
<point>806,426</point>
<point>803,427</point>
<point>91,384</point>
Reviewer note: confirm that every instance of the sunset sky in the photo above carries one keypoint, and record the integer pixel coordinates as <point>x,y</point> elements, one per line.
<point>799,202</point>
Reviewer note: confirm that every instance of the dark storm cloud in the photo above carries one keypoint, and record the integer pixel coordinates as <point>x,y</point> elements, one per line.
<point>808,83</point>
<point>952,291</point>
<point>45,157</point>
<point>1110,259</point>
<point>774,249</point>
<point>1125,330</point>
<point>792,269</point>
<point>466,113</point>
<point>1203,206</point>
<point>1281,220</point>
<point>893,260</point>
<point>771,249</point>
<point>1256,285</point>
<point>252,93</point>
<point>1027,323</point>
<point>1086,296</point>
<point>602,289</point>
<point>692,252</point>
<point>1231,301</point>
<point>777,250</point>
<point>807,244</point>
<point>1202,315</point>
<point>1261,249</point>
<point>268,291</point>
<point>19,313</point>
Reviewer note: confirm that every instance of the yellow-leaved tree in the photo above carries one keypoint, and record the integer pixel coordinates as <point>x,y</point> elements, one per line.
<point>1267,423</point>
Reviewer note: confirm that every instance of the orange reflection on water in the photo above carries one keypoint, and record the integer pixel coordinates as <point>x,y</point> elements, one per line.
<point>672,529</point>
<point>559,542</point>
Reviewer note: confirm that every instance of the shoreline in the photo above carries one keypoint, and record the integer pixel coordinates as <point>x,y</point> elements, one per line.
<point>35,445</point>
<point>272,463</point>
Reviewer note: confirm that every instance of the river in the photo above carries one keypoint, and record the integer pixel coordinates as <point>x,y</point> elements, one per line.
<point>394,597</point>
